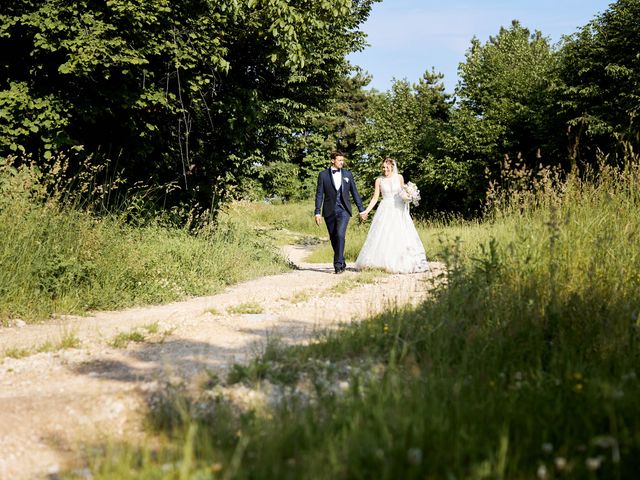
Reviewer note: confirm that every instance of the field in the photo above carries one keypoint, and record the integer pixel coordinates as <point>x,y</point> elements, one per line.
<point>524,364</point>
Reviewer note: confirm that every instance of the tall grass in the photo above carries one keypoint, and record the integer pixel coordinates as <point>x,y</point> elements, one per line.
<point>57,258</point>
<point>524,365</point>
<point>284,222</point>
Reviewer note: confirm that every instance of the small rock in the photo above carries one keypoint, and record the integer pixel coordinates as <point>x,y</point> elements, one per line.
<point>19,323</point>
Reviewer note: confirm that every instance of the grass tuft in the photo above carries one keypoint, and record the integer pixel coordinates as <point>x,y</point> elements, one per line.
<point>246,308</point>
<point>123,339</point>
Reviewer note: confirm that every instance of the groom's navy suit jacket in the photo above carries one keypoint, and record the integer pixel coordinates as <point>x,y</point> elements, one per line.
<point>327,191</point>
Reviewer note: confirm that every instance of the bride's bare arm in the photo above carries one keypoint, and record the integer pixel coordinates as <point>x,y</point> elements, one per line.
<point>376,195</point>
<point>401,180</point>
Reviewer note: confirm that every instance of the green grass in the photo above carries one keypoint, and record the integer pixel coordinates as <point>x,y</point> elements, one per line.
<point>68,340</point>
<point>123,339</point>
<point>436,236</point>
<point>524,364</point>
<point>55,258</point>
<point>246,308</point>
<point>152,328</point>
<point>17,352</point>
<point>363,278</point>
<point>146,333</point>
<point>287,223</point>
<point>300,297</point>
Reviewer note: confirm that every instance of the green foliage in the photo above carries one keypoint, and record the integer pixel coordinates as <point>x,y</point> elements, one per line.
<point>333,128</point>
<point>451,151</point>
<point>192,92</point>
<point>507,82</point>
<point>282,180</point>
<point>403,124</point>
<point>25,115</point>
<point>601,80</point>
<point>55,258</point>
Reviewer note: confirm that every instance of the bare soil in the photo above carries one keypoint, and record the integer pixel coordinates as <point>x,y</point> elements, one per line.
<point>54,404</point>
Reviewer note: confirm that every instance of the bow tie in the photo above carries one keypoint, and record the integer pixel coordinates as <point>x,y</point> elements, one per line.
<point>334,171</point>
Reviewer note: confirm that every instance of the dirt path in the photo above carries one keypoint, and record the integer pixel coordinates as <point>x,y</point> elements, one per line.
<point>50,403</point>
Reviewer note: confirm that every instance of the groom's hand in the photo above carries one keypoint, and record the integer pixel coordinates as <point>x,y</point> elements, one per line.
<point>317,217</point>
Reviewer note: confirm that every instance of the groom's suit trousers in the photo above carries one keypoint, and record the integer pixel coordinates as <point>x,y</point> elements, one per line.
<point>337,224</point>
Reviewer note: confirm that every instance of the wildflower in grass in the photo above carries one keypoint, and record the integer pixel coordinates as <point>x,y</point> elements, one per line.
<point>606,441</point>
<point>385,329</point>
<point>547,447</point>
<point>216,467</point>
<point>542,472</point>
<point>561,463</point>
<point>594,463</point>
<point>578,387</point>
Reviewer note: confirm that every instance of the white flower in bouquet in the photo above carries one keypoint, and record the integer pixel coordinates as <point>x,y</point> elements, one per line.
<point>410,194</point>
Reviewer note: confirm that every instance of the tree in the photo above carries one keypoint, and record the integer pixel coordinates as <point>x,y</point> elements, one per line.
<point>403,124</point>
<point>332,127</point>
<point>507,82</point>
<point>194,92</point>
<point>600,97</point>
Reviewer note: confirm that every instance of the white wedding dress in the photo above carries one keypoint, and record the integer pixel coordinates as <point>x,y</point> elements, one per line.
<point>392,243</point>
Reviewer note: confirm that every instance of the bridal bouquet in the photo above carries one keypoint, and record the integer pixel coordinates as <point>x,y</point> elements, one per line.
<point>410,194</point>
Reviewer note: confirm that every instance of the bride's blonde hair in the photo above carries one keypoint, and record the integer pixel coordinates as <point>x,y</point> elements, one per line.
<point>392,162</point>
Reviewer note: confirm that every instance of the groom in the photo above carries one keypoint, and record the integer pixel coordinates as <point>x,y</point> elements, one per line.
<point>332,193</point>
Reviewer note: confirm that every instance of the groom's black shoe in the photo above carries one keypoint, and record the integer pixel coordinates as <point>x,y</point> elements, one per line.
<point>340,270</point>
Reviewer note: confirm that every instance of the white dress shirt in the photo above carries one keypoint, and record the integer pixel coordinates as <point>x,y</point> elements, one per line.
<point>337,178</point>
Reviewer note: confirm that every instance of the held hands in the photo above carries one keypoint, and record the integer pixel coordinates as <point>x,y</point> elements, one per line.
<point>363,216</point>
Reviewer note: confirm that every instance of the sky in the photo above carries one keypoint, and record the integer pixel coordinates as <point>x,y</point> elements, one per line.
<point>409,37</point>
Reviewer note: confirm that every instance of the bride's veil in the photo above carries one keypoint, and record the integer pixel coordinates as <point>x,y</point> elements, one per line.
<point>395,167</point>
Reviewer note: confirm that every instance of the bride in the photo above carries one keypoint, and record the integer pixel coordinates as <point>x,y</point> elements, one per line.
<point>392,243</point>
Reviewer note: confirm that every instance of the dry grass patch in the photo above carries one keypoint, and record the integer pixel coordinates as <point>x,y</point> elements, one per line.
<point>68,340</point>
<point>363,278</point>
<point>300,297</point>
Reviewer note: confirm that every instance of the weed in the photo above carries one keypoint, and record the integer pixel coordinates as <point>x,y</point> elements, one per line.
<point>246,308</point>
<point>16,352</point>
<point>122,339</point>
<point>300,297</point>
